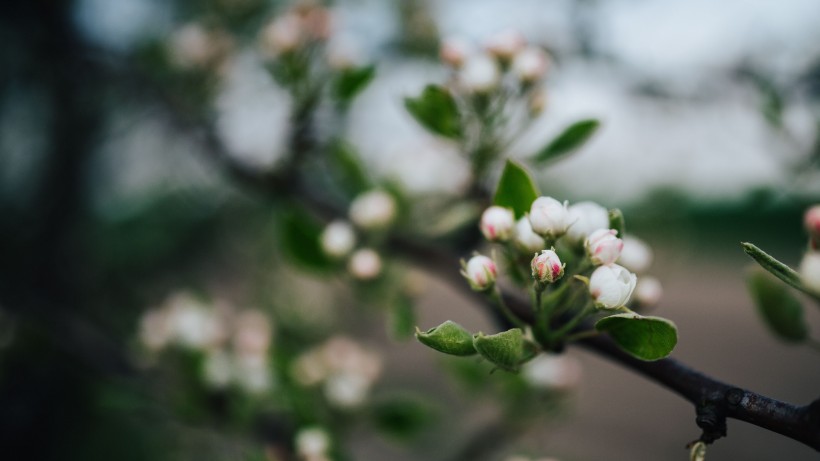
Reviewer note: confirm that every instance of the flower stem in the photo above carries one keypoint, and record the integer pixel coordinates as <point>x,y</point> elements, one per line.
<point>495,295</point>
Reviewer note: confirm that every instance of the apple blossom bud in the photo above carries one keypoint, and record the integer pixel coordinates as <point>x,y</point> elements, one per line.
<point>586,217</point>
<point>346,389</point>
<point>810,271</point>
<point>312,442</point>
<point>338,239</point>
<point>505,44</point>
<point>530,64</point>
<point>603,247</point>
<point>480,271</point>
<point>812,223</point>
<point>454,51</point>
<point>549,217</point>
<point>375,209</point>
<point>546,267</point>
<point>282,35</point>
<point>479,74</point>
<point>365,264</point>
<point>636,255</point>
<point>648,291</point>
<point>611,286</point>
<point>497,224</point>
<point>552,372</point>
<point>525,238</point>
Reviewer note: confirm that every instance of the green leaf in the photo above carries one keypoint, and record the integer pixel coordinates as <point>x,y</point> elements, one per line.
<point>572,138</point>
<point>645,338</point>
<point>404,416</point>
<point>351,82</point>
<point>349,169</point>
<point>449,338</point>
<point>775,267</point>
<point>616,221</point>
<point>516,189</point>
<point>781,311</point>
<point>436,110</point>
<point>299,234</point>
<point>505,349</point>
<point>402,317</point>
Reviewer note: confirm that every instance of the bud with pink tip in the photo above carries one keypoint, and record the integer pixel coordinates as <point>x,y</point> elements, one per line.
<point>611,286</point>
<point>338,239</point>
<point>812,222</point>
<point>547,267</point>
<point>497,224</point>
<point>505,44</point>
<point>549,217</point>
<point>525,238</point>
<point>454,51</point>
<point>480,272</point>
<point>480,74</point>
<point>365,264</point>
<point>603,247</point>
<point>530,64</point>
<point>585,218</point>
<point>810,271</point>
<point>636,255</point>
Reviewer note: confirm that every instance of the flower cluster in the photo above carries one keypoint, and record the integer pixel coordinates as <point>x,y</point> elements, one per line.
<point>345,371</point>
<point>235,343</point>
<point>372,213</point>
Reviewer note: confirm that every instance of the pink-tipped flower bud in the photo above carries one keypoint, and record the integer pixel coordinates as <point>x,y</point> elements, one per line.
<point>338,239</point>
<point>585,218</point>
<point>480,272</point>
<point>812,223</point>
<point>497,224</point>
<point>365,264</point>
<point>636,255</point>
<point>810,271</point>
<point>648,291</point>
<point>480,74</point>
<point>547,267</point>
<point>611,286</point>
<point>549,217</point>
<point>505,44</point>
<point>530,64</point>
<point>454,51</point>
<point>603,247</point>
<point>372,210</point>
<point>525,238</point>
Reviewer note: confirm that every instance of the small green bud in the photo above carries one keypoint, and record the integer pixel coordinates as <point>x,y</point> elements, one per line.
<point>505,349</point>
<point>449,338</point>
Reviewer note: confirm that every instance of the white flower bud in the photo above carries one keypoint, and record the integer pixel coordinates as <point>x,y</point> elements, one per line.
<point>338,239</point>
<point>603,247</point>
<point>193,324</point>
<point>546,267</point>
<point>312,442</point>
<point>497,224</point>
<point>505,44</point>
<point>282,35</point>
<point>155,329</point>
<point>810,271</point>
<point>480,271</point>
<point>525,238</point>
<point>648,291</point>
<point>549,217</point>
<point>480,74</point>
<point>812,223</point>
<point>530,64</point>
<point>552,372</point>
<point>636,255</point>
<point>454,51</point>
<point>346,390</point>
<point>375,209</point>
<point>586,217</point>
<point>252,334</point>
<point>252,373</point>
<point>365,264</point>
<point>611,286</point>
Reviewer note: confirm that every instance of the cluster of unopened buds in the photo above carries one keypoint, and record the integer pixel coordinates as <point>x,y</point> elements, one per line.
<point>506,64</point>
<point>810,265</point>
<point>235,343</point>
<point>371,213</point>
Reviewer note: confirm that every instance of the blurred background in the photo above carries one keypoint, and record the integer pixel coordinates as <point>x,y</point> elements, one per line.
<point>116,215</point>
